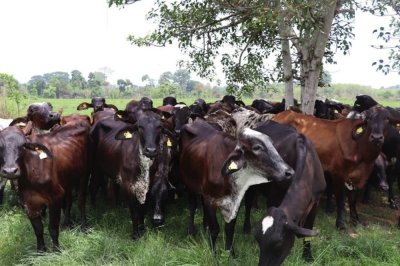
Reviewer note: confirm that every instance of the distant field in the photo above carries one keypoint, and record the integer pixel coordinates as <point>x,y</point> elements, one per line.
<point>69,105</point>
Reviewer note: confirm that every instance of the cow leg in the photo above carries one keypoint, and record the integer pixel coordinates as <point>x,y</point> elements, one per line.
<point>205,218</point>
<point>248,203</point>
<point>309,224</point>
<point>352,200</point>
<point>82,202</point>
<point>366,194</point>
<point>3,182</point>
<point>94,185</point>
<point>67,210</point>
<point>192,200</point>
<point>339,194</point>
<point>137,215</point>
<point>54,224</point>
<point>329,193</point>
<point>38,229</point>
<point>391,200</point>
<point>213,225</point>
<point>229,232</point>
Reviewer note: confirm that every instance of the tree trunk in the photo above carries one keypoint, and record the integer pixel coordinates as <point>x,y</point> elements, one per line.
<point>312,51</point>
<point>284,32</point>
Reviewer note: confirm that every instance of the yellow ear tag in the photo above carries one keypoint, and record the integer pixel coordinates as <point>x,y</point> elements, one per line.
<point>169,143</point>
<point>127,135</point>
<point>359,130</point>
<point>232,166</point>
<point>42,154</point>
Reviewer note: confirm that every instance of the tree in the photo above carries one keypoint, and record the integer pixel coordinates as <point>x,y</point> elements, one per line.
<point>182,77</point>
<point>36,85</point>
<point>77,80</point>
<point>293,35</point>
<point>124,84</point>
<point>165,77</point>
<point>12,89</point>
<point>95,82</point>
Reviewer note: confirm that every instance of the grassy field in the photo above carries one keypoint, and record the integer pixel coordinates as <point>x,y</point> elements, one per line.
<point>108,240</point>
<point>69,105</point>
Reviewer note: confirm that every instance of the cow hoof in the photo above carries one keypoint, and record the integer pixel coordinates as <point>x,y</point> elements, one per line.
<point>340,226</point>
<point>393,205</point>
<point>67,225</point>
<point>308,258</point>
<point>356,222</point>
<point>41,249</point>
<point>56,249</point>
<point>191,231</point>
<point>158,222</point>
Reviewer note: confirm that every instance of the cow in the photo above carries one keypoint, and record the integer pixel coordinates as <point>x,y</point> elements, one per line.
<point>199,107</point>
<point>98,104</point>
<point>293,203</point>
<point>169,100</point>
<point>378,175</point>
<point>40,118</point>
<point>262,105</point>
<point>347,149</point>
<point>48,167</point>
<point>250,159</point>
<point>133,154</point>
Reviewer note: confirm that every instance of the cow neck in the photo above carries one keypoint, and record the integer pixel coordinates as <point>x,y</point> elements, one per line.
<point>240,182</point>
<point>142,183</point>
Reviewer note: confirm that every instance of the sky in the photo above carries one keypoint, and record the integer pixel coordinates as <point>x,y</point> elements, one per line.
<point>44,36</point>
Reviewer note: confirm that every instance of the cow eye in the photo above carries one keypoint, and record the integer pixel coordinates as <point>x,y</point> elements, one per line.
<point>257,147</point>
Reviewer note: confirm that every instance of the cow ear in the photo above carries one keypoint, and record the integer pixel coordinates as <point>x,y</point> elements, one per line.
<point>41,150</point>
<point>112,106</point>
<point>300,231</point>
<point>121,116</point>
<point>165,115</point>
<point>234,162</point>
<point>20,121</point>
<point>126,133</point>
<point>84,106</point>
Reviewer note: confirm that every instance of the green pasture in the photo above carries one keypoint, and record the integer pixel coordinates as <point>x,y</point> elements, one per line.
<point>69,105</point>
<point>108,240</point>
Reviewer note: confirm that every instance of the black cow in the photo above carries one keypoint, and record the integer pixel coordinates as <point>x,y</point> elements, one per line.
<point>169,100</point>
<point>98,104</point>
<point>295,200</point>
<point>134,155</point>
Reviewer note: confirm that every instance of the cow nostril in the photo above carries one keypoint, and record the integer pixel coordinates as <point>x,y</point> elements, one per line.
<point>10,170</point>
<point>151,150</point>
<point>289,173</point>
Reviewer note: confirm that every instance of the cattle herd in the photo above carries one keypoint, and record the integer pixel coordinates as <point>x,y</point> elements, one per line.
<point>215,154</point>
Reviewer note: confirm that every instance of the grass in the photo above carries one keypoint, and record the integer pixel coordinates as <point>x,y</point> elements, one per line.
<point>108,240</point>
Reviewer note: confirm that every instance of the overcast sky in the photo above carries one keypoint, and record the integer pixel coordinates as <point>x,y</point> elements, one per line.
<point>44,36</point>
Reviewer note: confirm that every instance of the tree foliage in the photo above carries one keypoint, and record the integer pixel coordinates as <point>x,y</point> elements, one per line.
<point>257,42</point>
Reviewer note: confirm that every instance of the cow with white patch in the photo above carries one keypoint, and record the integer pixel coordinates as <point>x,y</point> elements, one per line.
<point>250,160</point>
<point>133,155</point>
<point>294,202</point>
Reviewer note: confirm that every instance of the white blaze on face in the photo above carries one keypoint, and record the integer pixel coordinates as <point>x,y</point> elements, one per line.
<point>267,222</point>
<point>241,181</point>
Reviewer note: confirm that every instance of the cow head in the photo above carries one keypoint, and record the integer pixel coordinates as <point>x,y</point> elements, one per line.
<point>148,127</point>
<point>378,119</point>
<point>98,104</point>
<point>42,115</point>
<point>363,102</point>
<point>169,100</point>
<point>13,145</point>
<point>321,110</point>
<point>182,115</point>
<point>256,152</point>
<point>275,236</point>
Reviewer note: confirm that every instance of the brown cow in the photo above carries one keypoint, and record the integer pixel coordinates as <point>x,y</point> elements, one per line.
<point>347,149</point>
<point>48,168</point>
<point>205,151</point>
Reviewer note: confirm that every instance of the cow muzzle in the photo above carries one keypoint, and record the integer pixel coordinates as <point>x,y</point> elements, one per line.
<point>150,152</point>
<point>10,172</point>
<point>158,220</point>
<point>377,139</point>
